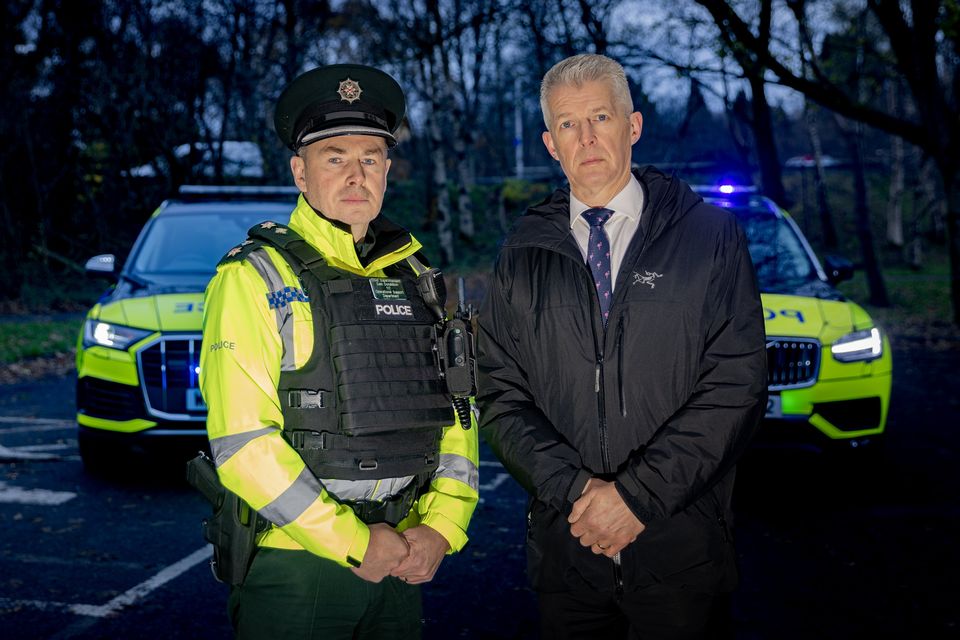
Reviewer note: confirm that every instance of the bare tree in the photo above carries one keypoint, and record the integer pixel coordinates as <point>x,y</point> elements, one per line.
<point>897,188</point>
<point>924,44</point>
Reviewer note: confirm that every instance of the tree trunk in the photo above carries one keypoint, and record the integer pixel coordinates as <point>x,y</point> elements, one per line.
<point>461,137</point>
<point>854,138</point>
<point>895,197</point>
<point>933,202</point>
<point>442,196</point>
<point>951,184</point>
<point>819,178</point>
<point>770,175</point>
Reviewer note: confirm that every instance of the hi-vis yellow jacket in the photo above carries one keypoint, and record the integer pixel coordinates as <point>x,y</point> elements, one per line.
<point>251,331</point>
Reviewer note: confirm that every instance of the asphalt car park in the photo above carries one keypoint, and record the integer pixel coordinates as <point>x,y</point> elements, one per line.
<point>829,547</point>
<point>121,556</point>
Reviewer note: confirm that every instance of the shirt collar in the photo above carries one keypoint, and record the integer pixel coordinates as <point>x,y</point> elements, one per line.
<point>628,202</point>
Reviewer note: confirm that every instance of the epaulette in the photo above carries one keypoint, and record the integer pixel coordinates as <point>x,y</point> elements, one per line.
<point>264,233</point>
<point>240,252</point>
<point>274,233</point>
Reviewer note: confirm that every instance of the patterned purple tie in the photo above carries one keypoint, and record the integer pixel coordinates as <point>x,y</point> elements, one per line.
<point>598,256</point>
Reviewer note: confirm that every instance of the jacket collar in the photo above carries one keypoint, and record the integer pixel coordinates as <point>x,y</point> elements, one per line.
<point>666,199</point>
<point>392,243</point>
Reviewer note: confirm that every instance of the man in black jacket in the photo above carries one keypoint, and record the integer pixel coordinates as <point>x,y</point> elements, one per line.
<point>622,372</point>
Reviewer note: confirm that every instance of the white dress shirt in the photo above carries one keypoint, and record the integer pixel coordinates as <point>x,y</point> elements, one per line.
<point>620,228</point>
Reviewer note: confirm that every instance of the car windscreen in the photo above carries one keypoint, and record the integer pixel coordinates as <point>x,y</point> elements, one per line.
<point>194,243</point>
<point>779,257</point>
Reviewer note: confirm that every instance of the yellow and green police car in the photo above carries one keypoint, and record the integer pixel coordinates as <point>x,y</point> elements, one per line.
<point>139,349</point>
<point>828,362</point>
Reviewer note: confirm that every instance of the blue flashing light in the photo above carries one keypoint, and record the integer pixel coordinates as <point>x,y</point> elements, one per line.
<point>725,189</point>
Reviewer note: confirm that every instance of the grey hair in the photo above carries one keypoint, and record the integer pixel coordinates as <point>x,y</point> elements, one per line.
<point>583,68</point>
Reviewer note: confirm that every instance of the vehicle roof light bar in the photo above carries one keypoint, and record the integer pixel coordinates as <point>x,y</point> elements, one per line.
<point>247,190</point>
<point>726,189</point>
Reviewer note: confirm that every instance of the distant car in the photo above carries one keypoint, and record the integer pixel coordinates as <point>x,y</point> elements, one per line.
<point>138,352</point>
<point>828,362</point>
<point>808,161</point>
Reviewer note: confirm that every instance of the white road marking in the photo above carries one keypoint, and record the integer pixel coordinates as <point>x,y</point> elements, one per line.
<point>66,426</point>
<point>144,588</point>
<point>27,558</point>
<point>34,496</point>
<point>42,605</point>
<point>9,455</point>
<point>124,599</point>
<point>56,446</point>
<point>27,420</point>
<point>32,425</point>
<point>498,480</point>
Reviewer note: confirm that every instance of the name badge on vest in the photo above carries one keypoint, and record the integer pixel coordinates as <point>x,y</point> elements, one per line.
<point>390,300</point>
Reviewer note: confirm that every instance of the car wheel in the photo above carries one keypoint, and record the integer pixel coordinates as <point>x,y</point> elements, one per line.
<point>99,458</point>
<point>866,458</point>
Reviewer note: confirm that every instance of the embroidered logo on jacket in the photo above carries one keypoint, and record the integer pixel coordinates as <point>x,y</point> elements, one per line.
<point>646,279</point>
<point>283,297</point>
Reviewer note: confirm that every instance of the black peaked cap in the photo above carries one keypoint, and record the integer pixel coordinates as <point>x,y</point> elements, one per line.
<point>337,100</point>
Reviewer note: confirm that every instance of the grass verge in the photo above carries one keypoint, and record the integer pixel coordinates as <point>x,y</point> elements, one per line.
<point>34,339</point>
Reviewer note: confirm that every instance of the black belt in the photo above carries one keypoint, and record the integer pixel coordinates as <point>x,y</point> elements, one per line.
<point>392,510</point>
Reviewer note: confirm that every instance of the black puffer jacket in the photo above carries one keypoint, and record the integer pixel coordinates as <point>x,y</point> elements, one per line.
<point>662,401</point>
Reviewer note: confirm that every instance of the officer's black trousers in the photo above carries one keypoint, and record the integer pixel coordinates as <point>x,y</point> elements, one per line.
<point>295,595</point>
<point>654,613</point>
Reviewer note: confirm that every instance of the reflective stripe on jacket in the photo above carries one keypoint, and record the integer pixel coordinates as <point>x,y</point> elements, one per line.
<point>256,324</point>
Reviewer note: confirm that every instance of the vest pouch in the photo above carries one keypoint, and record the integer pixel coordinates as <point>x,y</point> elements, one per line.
<point>393,455</point>
<point>387,378</point>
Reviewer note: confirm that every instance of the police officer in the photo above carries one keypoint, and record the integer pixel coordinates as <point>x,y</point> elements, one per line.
<point>327,413</point>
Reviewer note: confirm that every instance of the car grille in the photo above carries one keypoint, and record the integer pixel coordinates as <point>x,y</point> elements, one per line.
<point>168,371</point>
<point>792,362</point>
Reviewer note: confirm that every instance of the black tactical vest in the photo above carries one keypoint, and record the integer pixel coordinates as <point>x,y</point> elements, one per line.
<point>369,403</point>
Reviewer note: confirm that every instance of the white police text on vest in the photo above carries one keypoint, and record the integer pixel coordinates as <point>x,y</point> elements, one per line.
<point>394,309</point>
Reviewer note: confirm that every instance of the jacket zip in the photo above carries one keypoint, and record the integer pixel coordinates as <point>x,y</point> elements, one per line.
<point>605,456</point>
<point>618,575</point>
<point>617,566</point>
<point>598,387</point>
<point>620,392</point>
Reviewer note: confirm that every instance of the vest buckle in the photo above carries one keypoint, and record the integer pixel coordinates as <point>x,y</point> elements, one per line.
<point>297,439</point>
<point>368,464</point>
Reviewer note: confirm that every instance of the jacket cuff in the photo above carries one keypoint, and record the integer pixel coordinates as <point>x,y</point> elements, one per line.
<point>629,491</point>
<point>576,487</point>
<point>358,547</point>
<point>450,531</point>
<point>628,483</point>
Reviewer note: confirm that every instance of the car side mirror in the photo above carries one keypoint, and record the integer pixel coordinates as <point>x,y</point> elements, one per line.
<point>838,269</point>
<point>104,264</point>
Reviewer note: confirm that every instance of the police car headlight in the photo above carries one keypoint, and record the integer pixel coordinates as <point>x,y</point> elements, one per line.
<point>858,346</point>
<point>114,336</point>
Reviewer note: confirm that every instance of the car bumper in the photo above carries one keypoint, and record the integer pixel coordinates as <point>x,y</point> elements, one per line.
<point>143,390</point>
<point>852,410</point>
